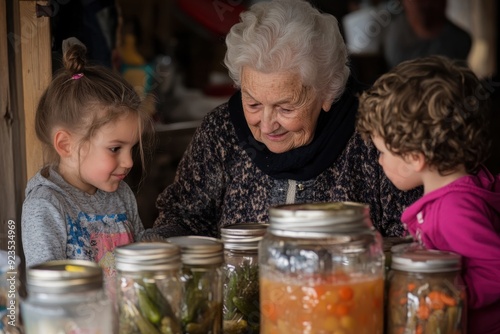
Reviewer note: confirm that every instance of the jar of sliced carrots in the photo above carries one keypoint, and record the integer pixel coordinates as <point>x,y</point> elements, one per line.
<point>321,270</point>
<point>426,293</point>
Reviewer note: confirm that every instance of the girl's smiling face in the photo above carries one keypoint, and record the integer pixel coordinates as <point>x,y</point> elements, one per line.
<point>280,112</point>
<point>107,158</point>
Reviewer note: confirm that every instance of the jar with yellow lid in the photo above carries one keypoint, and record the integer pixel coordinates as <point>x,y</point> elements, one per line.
<point>66,296</point>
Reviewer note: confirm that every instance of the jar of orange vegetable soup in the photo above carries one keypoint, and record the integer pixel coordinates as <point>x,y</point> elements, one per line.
<point>426,293</point>
<point>321,270</point>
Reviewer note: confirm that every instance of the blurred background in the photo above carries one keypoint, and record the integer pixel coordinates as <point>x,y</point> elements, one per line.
<point>172,52</point>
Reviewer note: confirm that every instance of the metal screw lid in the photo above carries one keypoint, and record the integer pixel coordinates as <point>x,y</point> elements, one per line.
<point>148,256</point>
<point>198,250</point>
<point>426,261</point>
<point>243,236</point>
<point>320,219</point>
<point>63,276</point>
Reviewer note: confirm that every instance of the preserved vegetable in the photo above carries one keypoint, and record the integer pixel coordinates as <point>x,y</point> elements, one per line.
<point>321,271</point>
<point>241,308</point>
<point>335,304</point>
<point>201,277</point>
<point>149,288</point>
<point>426,294</point>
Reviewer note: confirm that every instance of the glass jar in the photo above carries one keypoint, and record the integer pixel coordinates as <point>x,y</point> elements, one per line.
<point>321,270</point>
<point>66,296</point>
<point>202,260</point>
<point>426,293</point>
<point>241,310</point>
<point>149,288</point>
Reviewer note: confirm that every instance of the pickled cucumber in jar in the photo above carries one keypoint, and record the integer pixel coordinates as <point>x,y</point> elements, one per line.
<point>241,302</point>
<point>149,288</point>
<point>201,277</point>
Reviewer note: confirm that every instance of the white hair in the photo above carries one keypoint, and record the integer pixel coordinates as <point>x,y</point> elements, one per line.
<point>290,36</point>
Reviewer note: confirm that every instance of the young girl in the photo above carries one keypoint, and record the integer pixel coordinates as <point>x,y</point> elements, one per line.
<point>427,119</point>
<point>78,206</point>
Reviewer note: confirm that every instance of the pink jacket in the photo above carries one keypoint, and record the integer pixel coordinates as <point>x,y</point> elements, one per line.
<point>464,217</point>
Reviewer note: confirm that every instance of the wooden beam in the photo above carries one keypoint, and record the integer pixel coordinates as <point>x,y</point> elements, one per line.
<point>7,188</point>
<point>25,71</point>
<point>36,59</point>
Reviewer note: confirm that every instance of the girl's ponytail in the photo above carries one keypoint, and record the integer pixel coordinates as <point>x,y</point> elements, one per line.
<point>74,57</point>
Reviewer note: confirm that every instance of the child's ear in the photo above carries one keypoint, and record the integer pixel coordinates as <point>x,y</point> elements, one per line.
<point>417,160</point>
<point>62,143</point>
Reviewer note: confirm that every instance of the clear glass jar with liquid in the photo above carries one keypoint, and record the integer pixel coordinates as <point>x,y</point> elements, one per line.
<point>149,289</point>
<point>66,296</point>
<point>426,293</point>
<point>321,270</point>
<point>201,277</point>
<point>241,308</point>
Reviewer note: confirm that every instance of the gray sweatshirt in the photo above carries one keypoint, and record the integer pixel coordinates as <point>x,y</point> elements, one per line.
<point>60,221</point>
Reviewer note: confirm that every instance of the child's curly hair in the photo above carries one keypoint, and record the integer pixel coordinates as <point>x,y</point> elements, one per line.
<point>431,106</point>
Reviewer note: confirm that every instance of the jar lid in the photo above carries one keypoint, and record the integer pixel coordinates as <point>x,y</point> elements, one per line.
<point>63,276</point>
<point>198,250</point>
<point>147,256</point>
<point>426,261</point>
<point>243,236</point>
<point>320,219</point>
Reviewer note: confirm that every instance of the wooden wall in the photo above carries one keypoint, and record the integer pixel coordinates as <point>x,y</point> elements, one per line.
<point>7,187</point>
<point>25,71</point>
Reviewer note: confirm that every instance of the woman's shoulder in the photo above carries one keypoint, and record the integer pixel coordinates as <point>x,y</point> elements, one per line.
<point>216,130</point>
<point>357,166</point>
<point>216,118</point>
<point>359,151</point>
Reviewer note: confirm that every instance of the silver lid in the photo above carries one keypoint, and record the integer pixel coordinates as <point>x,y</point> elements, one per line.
<point>243,236</point>
<point>426,261</point>
<point>148,256</point>
<point>198,250</point>
<point>63,276</point>
<point>320,219</point>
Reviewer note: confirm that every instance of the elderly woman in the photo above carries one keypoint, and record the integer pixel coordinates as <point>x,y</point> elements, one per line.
<point>287,136</point>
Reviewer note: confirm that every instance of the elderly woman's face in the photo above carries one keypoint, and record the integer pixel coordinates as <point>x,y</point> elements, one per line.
<point>281,113</point>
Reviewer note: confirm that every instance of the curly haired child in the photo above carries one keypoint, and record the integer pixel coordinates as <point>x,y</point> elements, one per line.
<point>427,119</point>
<point>78,206</point>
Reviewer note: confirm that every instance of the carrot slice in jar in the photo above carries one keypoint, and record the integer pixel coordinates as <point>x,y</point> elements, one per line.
<point>346,293</point>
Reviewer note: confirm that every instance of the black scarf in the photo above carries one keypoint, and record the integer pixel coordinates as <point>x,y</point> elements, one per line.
<point>333,131</point>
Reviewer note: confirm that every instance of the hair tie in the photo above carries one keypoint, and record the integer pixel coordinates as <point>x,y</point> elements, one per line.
<point>77,76</point>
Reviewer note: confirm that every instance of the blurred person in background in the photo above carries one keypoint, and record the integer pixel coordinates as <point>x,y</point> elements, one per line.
<point>423,29</point>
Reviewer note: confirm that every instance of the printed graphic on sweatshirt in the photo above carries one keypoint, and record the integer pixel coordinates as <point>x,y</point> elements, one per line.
<point>94,238</point>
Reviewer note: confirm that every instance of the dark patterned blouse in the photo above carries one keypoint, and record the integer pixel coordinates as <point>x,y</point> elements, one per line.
<point>218,184</point>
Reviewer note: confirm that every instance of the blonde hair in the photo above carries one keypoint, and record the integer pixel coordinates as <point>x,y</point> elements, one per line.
<point>84,98</point>
<point>431,106</point>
